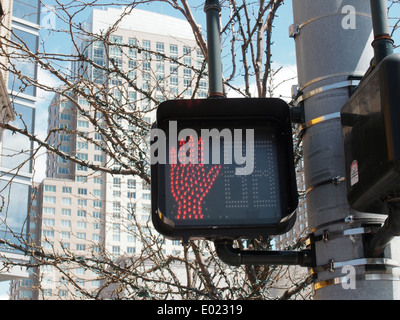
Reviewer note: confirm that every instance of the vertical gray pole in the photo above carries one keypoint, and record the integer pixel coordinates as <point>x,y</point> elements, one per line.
<point>383,44</point>
<point>333,44</point>
<point>212,9</point>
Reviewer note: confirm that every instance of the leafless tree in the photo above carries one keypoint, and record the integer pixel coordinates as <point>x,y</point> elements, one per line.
<point>247,38</point>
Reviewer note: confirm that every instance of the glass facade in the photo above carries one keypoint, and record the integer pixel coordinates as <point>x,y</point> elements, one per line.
<point>14,218</point>
<point>27,10</point>
<point>27,67</point>
<point>17,149</point>
<point>15,162</point>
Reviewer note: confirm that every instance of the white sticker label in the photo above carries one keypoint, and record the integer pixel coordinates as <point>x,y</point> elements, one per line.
<point>354,173</point>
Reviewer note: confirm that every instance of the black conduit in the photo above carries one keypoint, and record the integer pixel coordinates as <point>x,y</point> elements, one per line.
<point>384,235</point>
<point>238,257</point>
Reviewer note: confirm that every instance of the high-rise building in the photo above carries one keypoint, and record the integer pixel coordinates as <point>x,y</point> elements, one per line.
<point>6,112</point>
<point>84,212</point>
<point>23,18</point>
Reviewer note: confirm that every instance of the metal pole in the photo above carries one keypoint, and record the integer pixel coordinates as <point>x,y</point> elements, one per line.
<point>383,44</point>
<point>333,47</point>
<point>212,9</point>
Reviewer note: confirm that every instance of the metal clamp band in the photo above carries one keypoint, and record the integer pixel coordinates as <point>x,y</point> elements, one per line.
<point>331,116</point>
<point>333,265</point>
<point>347,75</point>
<point>336,180</point>
<point>320,119</point>
<point>378,220</point>
<point>366,277</point>
<point>327,235</point>
<point>367,261</point>
<point>294,29</point>
<point>328,87</point>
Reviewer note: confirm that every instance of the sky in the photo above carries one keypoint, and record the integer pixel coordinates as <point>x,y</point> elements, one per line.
<point>283,55</point>
<point>284,51</point>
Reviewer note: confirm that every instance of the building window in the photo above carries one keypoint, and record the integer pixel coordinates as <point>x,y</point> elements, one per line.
<point>82,202</point>
<point>65,235</point>
<point>62,170</point>
<point>81,224</point>
<point>116,51</point>
<point>66,189</point>
<point>146,44</point>
<point>80,247</point>
<point>97,214</point>
<point>81,168</point>
<point>117,193</point>
<point>97,203</point>
<point>98,180</point>
<point>66,200</point>
<point>62,160</point>
<point>81,235</point>
<point>117,182</point>
<point>146,196</point>
<point>131,195</point>
<point>48,222</point>
<point>66,212</point>
<point>29,68</point>
<point>83,124</point>
<point>48,233</point>
<point>173,50</point>
<point>81,213</point>
<point>27,10</point>
<point>48,188</point>
<point>116,206</point>
<point>187,59</point>
<point>82,191</point>
<point>66,223</point>
<point>116,232</point>
<point>131,238</point>
<point>145,185</point>
<point>160,47</point>
<point>47,292</point>
<point>82,156</point>
<point>82,145</point>
<point>49,211</point>
<point>131,184</point>
<point>98,157</point>
<point>115,250</point>
<point>64,149</point>
<point>48,199</point>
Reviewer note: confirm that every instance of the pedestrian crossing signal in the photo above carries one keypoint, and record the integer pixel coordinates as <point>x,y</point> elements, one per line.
<point>222,168</point>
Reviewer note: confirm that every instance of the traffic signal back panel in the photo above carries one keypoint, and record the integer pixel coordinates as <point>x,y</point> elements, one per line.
<point>371,138</point>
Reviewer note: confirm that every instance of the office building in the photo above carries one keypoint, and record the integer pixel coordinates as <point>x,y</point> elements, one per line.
<point>87,213</point>
<point>22,17</point>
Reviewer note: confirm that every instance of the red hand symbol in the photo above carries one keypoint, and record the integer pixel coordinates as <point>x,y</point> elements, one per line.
<point>191,182</point>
